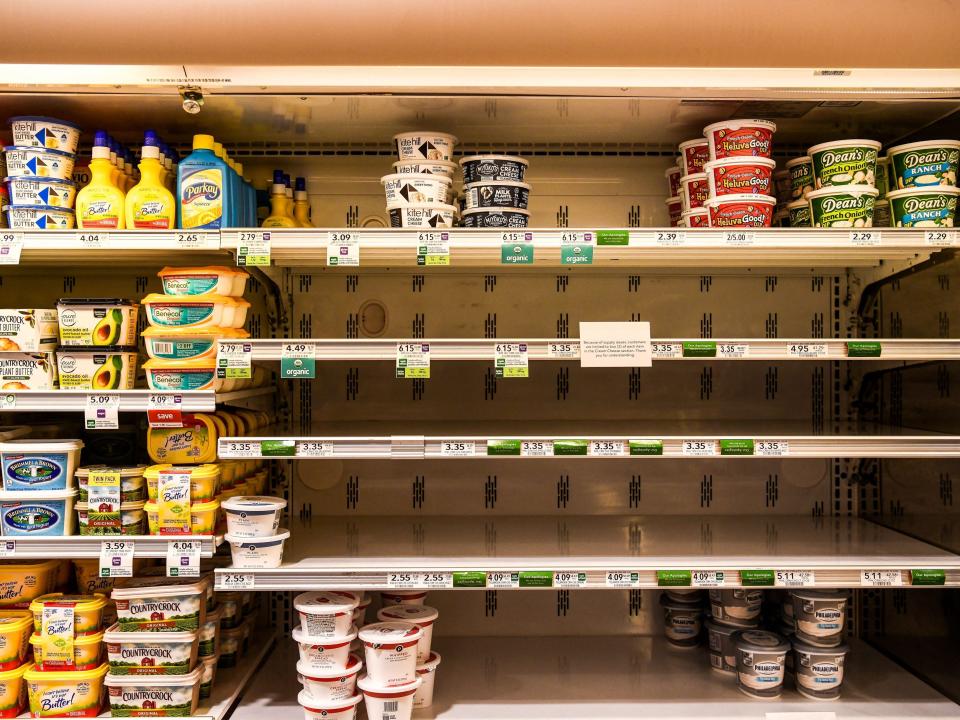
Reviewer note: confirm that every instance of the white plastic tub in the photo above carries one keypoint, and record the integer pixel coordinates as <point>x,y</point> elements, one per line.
<point>325,614</point>
<point>403,597</point>
<point>420,615</point>
<point>39,217</point>
<point>427,672</point>
<point>820,616</point>
<point>253,516</point>
<point>410,188</point>
<point>431,167</point>
<point>360,612</point>
<point>341,710</point>
<point>699,217</point>
<point>38,162</point>
<point>37,513</point>
<point>740,137</point>
<point>41,191</point>
<point>324,655</point>
<point>390,651</point>
<point>44,132</point>
<point>382,701</point>
<point>325,686</point>
<point>39,464</point>
<point>682,621</point>
<point>257,552</point>
<point>424,145</point>
<point>428,215</point>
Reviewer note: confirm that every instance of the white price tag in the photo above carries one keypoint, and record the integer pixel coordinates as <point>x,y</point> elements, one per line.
<point>164,410</point>
<point>183,558</point>
<point>572,237</point>
<point>234,360</point>
<point>343,249</point>
<point>940,238</point>
<point>458,448</point>
<point>510,360</point>
<point>536,448</point>
<point>413,360</point>
<point>708,579</point>
<point>563,350</point>
<point>236,581</point>
<point>807,350</point>
<point>91,241</point>
<point>116,558</point>
<point>197,241</point>
<point>666,350</point>
<point>862,238</point>
<point>399,580</point>
<point>240,449</point>
<point>771,448</point>
<point>569,579</point>
<point>881,578</point>
<point>738,238</point>
<point>607,448</point>
<point>8,401</point>
<point>700,448</point>
<point>101,411</point>
<point>11,245</point>
<point>433,248</point>
<point>502,579</point>
<point>253,248</point>
<point>794,578</point>
<point>8,548</point>
<point>299,350</point>
<point>436,580</point>
<point>621,579</point>
<point>801,715</point>
<point>314,448</point>
<point>670,238</point>
<point>732,351</point>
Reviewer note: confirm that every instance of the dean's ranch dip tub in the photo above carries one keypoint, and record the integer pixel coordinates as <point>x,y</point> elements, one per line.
<point>845,162</point>
<point>740,137</point>
<point>739,175</point>
<point>933,162</point>
<point>930,206</point>
<point>738,211</point>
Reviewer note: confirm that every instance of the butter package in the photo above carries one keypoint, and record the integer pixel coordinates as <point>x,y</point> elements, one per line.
<point>28,371</point>
<point>195,442</point>
<point>97,322</point>
<point>108,368</point>
<point>28,330</point>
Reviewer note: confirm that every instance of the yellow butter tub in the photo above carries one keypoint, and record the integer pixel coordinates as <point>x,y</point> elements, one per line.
<point>13,691</point>
<point>203,517</point>
<point>204,480</point>
<point>15,629</point>
<point>87,653</point>
<point>87,611</point>
<point>22,582</point>
<point>195,442</point>
<point>65,693</point>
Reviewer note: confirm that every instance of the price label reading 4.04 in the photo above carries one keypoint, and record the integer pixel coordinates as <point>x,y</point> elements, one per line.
<point>794,578</point>
<point>510,360</point>
<point>183,558</point>
<point>116,558</point>
<point>101,411</point>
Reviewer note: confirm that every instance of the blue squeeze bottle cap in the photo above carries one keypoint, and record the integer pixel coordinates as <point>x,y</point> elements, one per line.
<point>278,177</point>
<point>301,184</point>
<point>101,139</point>
<point>150,138</point>
<point>286,180</point>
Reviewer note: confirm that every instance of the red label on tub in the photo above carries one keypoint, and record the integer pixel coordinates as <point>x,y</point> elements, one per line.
<point>748,179</point>
<point>756,141</point>
<point>698,220</point>
<point>698,191</point>
<point>741,214</point>
<point>694,157</point>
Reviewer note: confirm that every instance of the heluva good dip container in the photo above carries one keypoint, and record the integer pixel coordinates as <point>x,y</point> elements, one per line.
<point>819,670</point>
<point>741,211</point>
<point>340,710</point>
<point>214,279</point>
<point>87,611</point>
<point>390,651</point>
<point>150,604</point>
<point>28,330</point>
<point>694,191</point>
<point>740,137</point>
<point>845,162</point>
<point>800,213</point>
<point>820,616</point>
<point>932,162</point>
<point>761,662</point>
<point>38,217</point>
<point>150,653</point>
<point>108,368</point>
<point>37,513</point>
<point>257,552</point>
<point>924,206</point>
<point>87,653</point>
<point>97,322</point>
<point>673,175</point>
<point>427,672</point>
<point>39,464</point>
<point>38,162</point>
<point>332,685</point>
<point>77,693</point>
<point>325,614</point>
<point>740,176</point>
<point>425,215</point>
<point>496,218</point>
<point>13,691</point>
<point>693,154</point>
<point>408,188</point>
<point>16,626</point>
<point>698,217</point>
<point>481,168</point>
<point>420,615</point>
<point>843,206</point>
<point>381,700</point>
<point>424,145</point>
<point>47,192</point>
<point>44,132</point>
<point>681,620</point>
<point>156,696</point>
<point>329,654</point>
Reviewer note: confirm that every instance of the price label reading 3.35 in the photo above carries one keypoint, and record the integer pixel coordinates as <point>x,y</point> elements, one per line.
<point>241,449</point>
<point>457,448</point>
<point>699,448</point>
<point>536,448</point>
<point>607,448</point>
<point>771,448</point>
<point>561,350</point>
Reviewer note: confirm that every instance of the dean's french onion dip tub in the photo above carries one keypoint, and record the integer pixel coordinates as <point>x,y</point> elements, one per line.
<point>845,162</point>
<point>847,206</point>
<point>761,661</point>
<point>159,604</point>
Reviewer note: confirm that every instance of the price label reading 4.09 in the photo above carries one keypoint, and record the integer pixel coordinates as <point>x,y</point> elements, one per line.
<point>807,350</point>
<point>457,448</point>
<point>708,578</point>
<point>607,448</point>
<point>699,448</point>
<point>236,581</point>
<point>794,578</point>
<point>183,558</point>
<point>298,360</point>
<point>102,412</point>
<point>622,579</point>
<point>881,578</point>
<point>502,579</point>
<point>11,245</point>
<point>569,579</point>
<point>253,248</point>
<point>116,558</point>
<point>510,360</point>
<point>413,360</point>
<point>164,410</point>
<point>563,350</point>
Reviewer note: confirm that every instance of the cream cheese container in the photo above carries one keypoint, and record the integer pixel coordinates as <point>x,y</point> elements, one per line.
<point>761,662</point>
<point>330,685</point>
<point>427,672</point>
<point>819,671</point>
<point>681,621</point>
<point>383,701</point>
<point>28,330</point>
<point>820,616</point>
<point>390,651</point>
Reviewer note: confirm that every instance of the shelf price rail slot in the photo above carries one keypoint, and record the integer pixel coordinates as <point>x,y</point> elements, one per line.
<point>444,349</point>
<point>88,546</point>
<point>58,246</point>
<point>130,400</point>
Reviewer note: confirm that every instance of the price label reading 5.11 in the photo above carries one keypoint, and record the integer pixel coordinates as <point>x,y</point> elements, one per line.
<point>794,578</point>
<point>881,578</point>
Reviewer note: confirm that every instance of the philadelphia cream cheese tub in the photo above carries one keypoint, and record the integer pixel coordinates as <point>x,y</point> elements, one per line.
<point>87,653</point>
<point>37,513</point>
<point>390,651</point>
<point>330,654</point>
<point>39,464</point>
<point>761,662</point>
<point>44,132</point>
<point>160,604</point>
<point>108,368</point>
<point>157,696</point>
<point>77,693</point>
<point>151,653</point>
<point>819,670</point>
<point>332,685</point>
<point>97,322</point>
<point>215,279</point>
<point>681,621</point>
<point>820,616</point>
<point>340,710</point>
<point>38,162</point>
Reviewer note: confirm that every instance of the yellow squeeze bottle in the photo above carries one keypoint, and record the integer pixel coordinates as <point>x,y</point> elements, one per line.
<point>149,205</point>
<point>278,216</point>
<point>100,203</point>
<point>301,206</point>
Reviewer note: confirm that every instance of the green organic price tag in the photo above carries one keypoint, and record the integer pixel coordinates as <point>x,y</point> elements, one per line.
<point>536,578</point>
<point>278,448</point>
<point>699,348</point>
<point>570,447</point>
<point>646,447</point>
<point>298,361</point>
<point>752,578</point>
<point>673,578</point>
<point>413,360</point>
<point>503,447</point>
<point>613,237</point>
<point>864,349</point>
<point>470,579</point>
<point>519,253</point>
<point>738,446</point>
<point>577,254</point>
<point>928,577</point>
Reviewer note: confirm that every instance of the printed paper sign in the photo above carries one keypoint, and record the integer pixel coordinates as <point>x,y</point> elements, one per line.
<point>615,344</point>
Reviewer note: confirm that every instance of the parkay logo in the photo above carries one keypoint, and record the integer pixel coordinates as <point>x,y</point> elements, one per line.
<point>202,190</point>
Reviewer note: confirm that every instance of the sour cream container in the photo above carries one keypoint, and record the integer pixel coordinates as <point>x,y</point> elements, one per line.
<point>332,685</point>
<point>388,701</point>
<point>253,516</point>
<point>325,614</point>
<point>330,654</point>
<point>420,615</point>
<point>257,552</point>
<point>741,211</point>
<point>740,175</point>
<point>761,662</point>
<point>427,672</point>
<point>340,710</point>
<point>390,650</point>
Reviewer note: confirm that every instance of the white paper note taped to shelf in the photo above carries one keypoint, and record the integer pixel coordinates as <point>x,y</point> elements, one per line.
<point>457,448</point>
<point>881,578</point>
<point>615,344</point>
<point>794,578</point>
<point>807,350</point>
<point>11,245</point>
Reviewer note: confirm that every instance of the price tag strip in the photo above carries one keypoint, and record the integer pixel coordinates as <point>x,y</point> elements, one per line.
<point>771,448</point>
<point>116,558</point>
<point>253,248</point>
<point>607,448</point>
<point>881,578</point>
<point>298,360</point>
<point>738,238</point>
<point>865,238</point>
<point>733,351</point>
<point>234,360</point>
<point>433,249</point>
<point>11,245</point>
<point>700,448</point>
<point>561,350</point>
<point>576,248</point>
<point>164,410</point>
<point>536,448</point>
<point>458,448</point>
<point>567,579</point>
<point>666,350</point>
<point>794,578</point>
<point>343,249</point>
<point>940,238</point>
<point>314,448</point>
<point>807,350</point>
<point>621,579</point>
<point>510,360</point>
<point>670,238</point>
<point>708,578</point>
<point>516,248</point>
<point>101,412</point>
<point>183,558</point>
<point>240,449</point>
<point>413,360</point>
<point>236,581</point>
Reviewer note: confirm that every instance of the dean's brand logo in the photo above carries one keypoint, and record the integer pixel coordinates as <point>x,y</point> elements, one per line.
<point>801,171</point>
<point>929,157</point>
<point>825,668</point>
<point>33,470</point>
<point>850,202</point>
<point>915,204</point>
<point>31,518</point>
<point>846,155</point>
<point>207,190</point>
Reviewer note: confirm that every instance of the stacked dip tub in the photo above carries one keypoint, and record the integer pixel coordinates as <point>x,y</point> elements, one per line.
<point>419,192</point>
<point>39,171</point>
<point>922,189</point>
<point>689,182</point>
<point>739,173</point>
<point>844,190</point>
<point>494,192</point>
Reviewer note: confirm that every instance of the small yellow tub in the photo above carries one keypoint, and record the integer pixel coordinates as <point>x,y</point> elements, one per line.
<point>13,691</point>
<point>204,481</point>
<point>76,693</point>
<point>21,582</point>
<point>196,442</point>
<point>87,611</point>
<point>87,653</point>
<point>203,517</point>
<point>15,629</point>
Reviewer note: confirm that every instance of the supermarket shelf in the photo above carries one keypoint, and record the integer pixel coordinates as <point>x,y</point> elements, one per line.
<point>238,395</point>
<point>130,400</point>
<point>117,246</point>
<point>88,546</point>
<point>231,683</point>
<point>939,529</point>
<point>612,678</point>
<point>445,551</point>
<point>663,349</point>
<point>594,440</point>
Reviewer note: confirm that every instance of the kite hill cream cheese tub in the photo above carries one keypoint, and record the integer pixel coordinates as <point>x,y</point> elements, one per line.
<point>409,188</point>
<point>424,145</point>
<point>430,167</point>
<point>761,661</point>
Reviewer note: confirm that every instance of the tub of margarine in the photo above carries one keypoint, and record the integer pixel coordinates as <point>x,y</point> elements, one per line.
<point>108,368</point>
<point>176,343</point>
<point>133,486</point>
<point>203,517</point>
<point>97,322</point>
<point>180,375</point>
<point>87,611</point>
<point>86,653</point>
<point>133,520</point>
<point>194,311</point>
<point>158,696</point>
<point>37,513</point>
<point>13,693</point>
<point>226,281</point>
<point>209,676</point>
<point>150,604</point>
<point>28,371</point>
<point>39,464</point>
<point>16,626</point>
<point>150,653</point>
<point>38,162</point>
<point>204,480</point>
<point>44,132</point>
<point>22,582</point>
<point>209,636</point>
<point>77,693</point>
<point>195,442</point>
